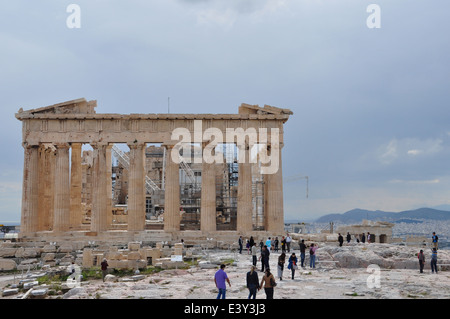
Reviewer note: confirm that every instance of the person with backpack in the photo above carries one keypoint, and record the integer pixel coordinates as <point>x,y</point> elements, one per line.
<point>434,240</point>
<point>312,256</point>
<point>293,264</point>
<point>269,283</point>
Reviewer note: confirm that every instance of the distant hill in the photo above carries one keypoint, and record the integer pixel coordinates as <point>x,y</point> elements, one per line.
<point>357,215</point>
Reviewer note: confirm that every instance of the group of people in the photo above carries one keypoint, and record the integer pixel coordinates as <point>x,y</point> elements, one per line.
<point>433,262</point>
<point>268,280</point>
<point>272,244</point>
<point>356,237</point>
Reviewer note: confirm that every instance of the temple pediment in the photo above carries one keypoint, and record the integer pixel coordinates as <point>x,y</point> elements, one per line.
<point>267,109</point>
<point>78,106</point>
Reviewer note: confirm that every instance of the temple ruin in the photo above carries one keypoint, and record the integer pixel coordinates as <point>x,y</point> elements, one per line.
<point>135,177</point>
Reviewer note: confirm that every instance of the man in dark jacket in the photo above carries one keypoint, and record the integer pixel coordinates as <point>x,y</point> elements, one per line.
<point>264,258</point>
<point>341,240</point>
<point>252,282</point>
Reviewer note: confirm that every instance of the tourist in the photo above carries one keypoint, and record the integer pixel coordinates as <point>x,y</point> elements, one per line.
<point>434,261</point>
<point>340,240</point>
<point>261,245</point>
<point>293,264</point>
<point>269,283</point>
<point>252,282</point>
<point>220,278</point>
<point>368,238</point>
<point>254,254</point>
<point>268,243</point>
<point>251,241</point>
<point>283,244</point>
<point>265,253</point>
<point>104,266</point>
<point>349,237</point>
<point>276,244</point>
<point>421,258</point>
<point>302,252</point>
<point>247,245</point>
<point>288,242</point>
<point>363,238</point>
<point>312,256</point>
<point>240,244</point>
<point>280,266</point>
<point>434,240</point>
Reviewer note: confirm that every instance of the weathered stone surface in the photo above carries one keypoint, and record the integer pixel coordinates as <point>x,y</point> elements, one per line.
<point>10,292</point>
<point>49,249</point>
<point>65,248</point>
<point>8,252</point>
<point>7,264</point>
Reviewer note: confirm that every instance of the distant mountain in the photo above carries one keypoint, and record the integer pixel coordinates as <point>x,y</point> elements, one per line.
<point>357,215</point>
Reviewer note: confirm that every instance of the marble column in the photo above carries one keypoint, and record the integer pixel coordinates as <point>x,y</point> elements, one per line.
<point>75,187</point>
<point>136,188</point>
<point>47,160</point>
<point>208,197</point>
<point>61,219</point>
<point>99,188</point>
<point>171,194</point>
<point>273,197</point>
<point>30,192</point>
<point>109,202</point>
<point>244,195</point>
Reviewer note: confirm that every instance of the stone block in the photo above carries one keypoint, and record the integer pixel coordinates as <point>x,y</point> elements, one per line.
<point>39,293</point>
<point>48,257</point>
<point>49,249</point>
<point>65,248</point>
<point>134,246</point>
<point>10,292</point>
<point>29,285</point>
<point>7,264</point>
<point>8,252</point>
<point>133,255</point>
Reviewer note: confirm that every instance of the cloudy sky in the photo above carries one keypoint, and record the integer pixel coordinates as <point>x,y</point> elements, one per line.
<point>371,105</point>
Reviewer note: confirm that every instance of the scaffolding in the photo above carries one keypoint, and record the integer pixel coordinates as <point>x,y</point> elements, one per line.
<point>190,178</point>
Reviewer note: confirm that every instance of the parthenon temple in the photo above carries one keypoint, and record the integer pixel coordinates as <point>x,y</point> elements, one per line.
<point>131,176</point>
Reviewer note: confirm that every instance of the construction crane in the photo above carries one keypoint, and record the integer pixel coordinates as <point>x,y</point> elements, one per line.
<point>296,178</point>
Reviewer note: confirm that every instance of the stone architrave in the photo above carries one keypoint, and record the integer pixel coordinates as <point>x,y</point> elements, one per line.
<point>136,187</point>
<point>61,217</point>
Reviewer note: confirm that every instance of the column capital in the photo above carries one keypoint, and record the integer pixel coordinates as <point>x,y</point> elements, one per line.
<point>61,145</point>
<point>27,145</point>
<point>136,145</point>
<point>97,145</point>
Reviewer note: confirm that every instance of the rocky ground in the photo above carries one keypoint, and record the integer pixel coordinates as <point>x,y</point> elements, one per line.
<point>341,273</point>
